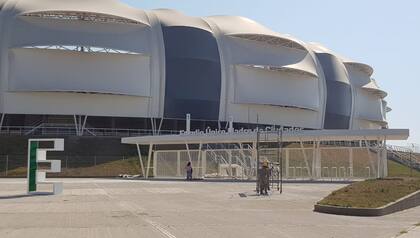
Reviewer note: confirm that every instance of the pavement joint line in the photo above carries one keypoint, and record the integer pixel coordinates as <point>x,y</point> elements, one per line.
<point>127,206</point>
<point>408,230</point>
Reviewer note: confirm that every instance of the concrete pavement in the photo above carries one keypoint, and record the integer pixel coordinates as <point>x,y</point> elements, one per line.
<point>116,208</point>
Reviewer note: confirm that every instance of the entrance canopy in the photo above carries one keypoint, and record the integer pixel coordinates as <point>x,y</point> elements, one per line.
<point>236,153</point>
<point>288,136</point>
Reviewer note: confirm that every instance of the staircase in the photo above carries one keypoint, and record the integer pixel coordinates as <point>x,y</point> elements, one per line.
<point>404,156</point>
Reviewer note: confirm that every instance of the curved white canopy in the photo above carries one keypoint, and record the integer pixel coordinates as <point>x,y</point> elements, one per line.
<point>105,7</point>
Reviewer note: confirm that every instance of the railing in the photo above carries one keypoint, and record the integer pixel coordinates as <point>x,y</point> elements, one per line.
<point>405,155</point>
<point>413,148</point>
<point>88,132</point>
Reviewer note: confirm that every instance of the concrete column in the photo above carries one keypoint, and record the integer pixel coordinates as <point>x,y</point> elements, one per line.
<point>314,164</point>
<point>178,164</point>
<point>385,159</point>
<point>154,164</point>
<point>230,163</point>
<point>254,157</point>
<point>318,165</point>
<point>149,158</point>
<point>380,162</point>
<point>200,165</point>
<point>204,162</point>
<point>351,162</point>
<point>287,162</point>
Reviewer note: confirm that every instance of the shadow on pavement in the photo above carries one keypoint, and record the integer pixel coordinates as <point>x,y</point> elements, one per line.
<point>24,195</point>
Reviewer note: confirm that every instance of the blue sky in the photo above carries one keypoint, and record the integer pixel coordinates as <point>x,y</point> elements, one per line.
<point>382,33</point>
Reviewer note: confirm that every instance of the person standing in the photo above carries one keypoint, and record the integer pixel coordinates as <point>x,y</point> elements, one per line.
<point>189,171</point>
<point>264,178</point>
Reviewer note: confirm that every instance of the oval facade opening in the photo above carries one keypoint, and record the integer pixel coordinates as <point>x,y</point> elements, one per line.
<point>193,73</point>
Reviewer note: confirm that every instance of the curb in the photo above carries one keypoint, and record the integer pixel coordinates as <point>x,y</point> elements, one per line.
<point>407,202</point>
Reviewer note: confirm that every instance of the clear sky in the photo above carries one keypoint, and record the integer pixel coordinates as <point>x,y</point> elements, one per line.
<point>382,33</point>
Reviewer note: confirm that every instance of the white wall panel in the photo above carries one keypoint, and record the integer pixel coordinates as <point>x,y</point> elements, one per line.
<point>38,32</point>
<point>260,86</point>
<point>366,124</point>
<point>357,77</point>
<point>59,70</point>
<point>368,106</point>
<point>259,53</point>
<point>75,103</point>
<point>272,115</point>
<point>108,7</point>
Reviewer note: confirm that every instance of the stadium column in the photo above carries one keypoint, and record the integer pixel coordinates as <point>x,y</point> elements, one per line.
<point>193,73</point>
<point>339,94</point>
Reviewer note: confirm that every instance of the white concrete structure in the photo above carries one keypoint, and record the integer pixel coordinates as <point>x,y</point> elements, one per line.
<point>316,154</point>
<point>39,166</point>
<point>101,58</point>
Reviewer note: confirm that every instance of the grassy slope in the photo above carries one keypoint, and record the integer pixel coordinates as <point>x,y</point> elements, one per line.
<point>398,170</point>
<point>377,193</point>
<point>372,193</point>
<point>110,169</point>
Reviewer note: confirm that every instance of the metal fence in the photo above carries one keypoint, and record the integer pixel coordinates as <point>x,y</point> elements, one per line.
<point>336,163</point>
<point>72,131</point>
<point>75,166</point>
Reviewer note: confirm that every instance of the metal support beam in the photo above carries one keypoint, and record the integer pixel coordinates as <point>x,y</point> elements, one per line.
<point>372,164</point>
<point>152,121</point>
<point>178,163</point>
<point>380,162</point>
<point>83,126</point>
<point>316,161</point>
<point>80,124</point>
<point>305,157</point>
<point>188,152</point>
<point>287,163</point>
<point>230,163</point>
<point>200,165</point>
<point>76,124</point>
<point>351,162</point>
<point>385,158</point>
<point>204,163</point>
<point>160,126</point>
<point>149,158</point>
<point>141,161</point>
<point>2,120</point>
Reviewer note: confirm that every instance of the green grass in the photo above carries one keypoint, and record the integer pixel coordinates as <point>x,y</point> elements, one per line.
<point>110,169</point>
<point>403,232</point>
<point>398,170</point>
<point>372,193</point>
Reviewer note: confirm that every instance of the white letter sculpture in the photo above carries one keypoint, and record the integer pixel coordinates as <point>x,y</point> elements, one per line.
<point>38,165</point>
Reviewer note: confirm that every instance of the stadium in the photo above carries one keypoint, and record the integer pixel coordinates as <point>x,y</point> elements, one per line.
<point>100,68</point>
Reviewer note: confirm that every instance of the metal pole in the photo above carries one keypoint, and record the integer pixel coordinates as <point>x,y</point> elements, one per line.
<point>278,159</point>
<point>411,165</point>
<point>258,159</point>
<point>2,120</point>
<point>140,160</point>
<point>281,161</point>
<point>149,157</point>
<point>7,164</point>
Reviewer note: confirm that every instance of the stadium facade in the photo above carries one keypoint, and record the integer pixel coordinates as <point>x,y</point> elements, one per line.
<point>103,64</point>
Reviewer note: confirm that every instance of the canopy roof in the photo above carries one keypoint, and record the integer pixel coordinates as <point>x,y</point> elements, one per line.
<point>288,136</point>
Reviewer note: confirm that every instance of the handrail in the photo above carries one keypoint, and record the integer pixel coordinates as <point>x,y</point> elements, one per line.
<point>42,130</point>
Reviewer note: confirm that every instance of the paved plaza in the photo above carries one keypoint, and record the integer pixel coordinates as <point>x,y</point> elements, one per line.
<point>115,208</point>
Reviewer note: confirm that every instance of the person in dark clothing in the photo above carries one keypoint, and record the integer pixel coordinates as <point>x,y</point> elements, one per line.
<point>264,178</point>
<point>189,171</point>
